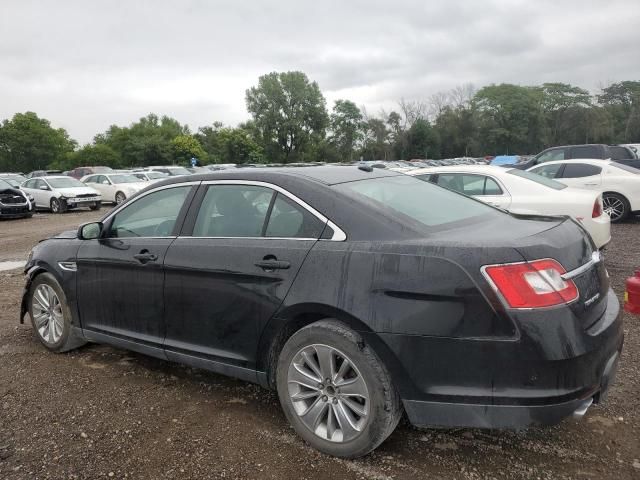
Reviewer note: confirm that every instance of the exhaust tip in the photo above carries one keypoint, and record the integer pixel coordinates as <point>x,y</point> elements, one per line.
<point>579,412</point>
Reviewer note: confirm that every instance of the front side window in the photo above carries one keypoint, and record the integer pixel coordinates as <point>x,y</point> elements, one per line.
<point>30,184</point>
<point>290,220</point>
<point>233,211</point>
<point>579,170</point>
<point>153,215</point>
<point>548,171</point>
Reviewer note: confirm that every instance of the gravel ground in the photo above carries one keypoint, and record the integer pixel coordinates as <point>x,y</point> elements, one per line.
<point>101,412</point>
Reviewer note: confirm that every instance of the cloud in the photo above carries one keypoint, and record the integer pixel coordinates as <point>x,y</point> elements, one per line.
<point>86,65</point>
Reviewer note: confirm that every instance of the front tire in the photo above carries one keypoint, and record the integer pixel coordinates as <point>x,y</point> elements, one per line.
<point>56,206</point>
<point>96,206</point>
<point>616,206</point>
<point>335,391</point>
<point>120,197</point>
<point>50,314</point>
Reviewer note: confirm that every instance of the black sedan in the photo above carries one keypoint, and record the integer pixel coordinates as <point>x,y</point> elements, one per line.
<point>14,203</point>
<point>357,293</point>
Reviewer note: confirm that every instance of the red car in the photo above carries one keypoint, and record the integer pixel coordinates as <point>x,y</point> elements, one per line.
<point>80,172</point>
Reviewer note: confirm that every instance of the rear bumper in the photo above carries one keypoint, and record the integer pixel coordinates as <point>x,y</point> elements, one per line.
<point>599,229</point>
<point>553,369</point>
<point>448,414</point>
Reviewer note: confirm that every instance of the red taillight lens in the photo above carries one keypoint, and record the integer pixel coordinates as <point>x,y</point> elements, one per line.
<point>533,284</point>
<point>597,209</point>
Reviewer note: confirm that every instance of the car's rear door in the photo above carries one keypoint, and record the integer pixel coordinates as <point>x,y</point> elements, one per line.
<point>581,175</point>
<point>227,273</point>
<point>120,277</point>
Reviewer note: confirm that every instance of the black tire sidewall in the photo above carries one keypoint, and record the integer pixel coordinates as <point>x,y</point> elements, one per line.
<point>48,279</point>
<point>369,366</point>
<point>124,197</point>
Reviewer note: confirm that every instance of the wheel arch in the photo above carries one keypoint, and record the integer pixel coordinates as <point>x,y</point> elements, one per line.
<point>290,320</point>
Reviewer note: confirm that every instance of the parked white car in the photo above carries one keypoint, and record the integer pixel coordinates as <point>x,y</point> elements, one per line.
<point>522,192</point>
<point>150,175</point>
<point>115,187</point>
<point>61,193</point>
<point>619,184</point>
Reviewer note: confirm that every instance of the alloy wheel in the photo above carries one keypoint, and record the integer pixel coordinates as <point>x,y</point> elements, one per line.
<point>328,393</point>
<point>614,207</point>
<point>120,198</point>
<point>55,206</point>
<point>47,313</point>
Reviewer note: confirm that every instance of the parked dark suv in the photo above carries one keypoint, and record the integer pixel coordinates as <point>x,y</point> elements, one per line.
<point>350,290</point>
<point>619,153</point>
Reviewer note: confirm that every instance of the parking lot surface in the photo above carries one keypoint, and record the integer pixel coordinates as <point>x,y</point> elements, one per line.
<point>99,412</point>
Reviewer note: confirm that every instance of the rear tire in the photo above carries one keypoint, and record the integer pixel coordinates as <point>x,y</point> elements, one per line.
<point>50,315</point>
<point>350,411</point>
<point>616,206</point>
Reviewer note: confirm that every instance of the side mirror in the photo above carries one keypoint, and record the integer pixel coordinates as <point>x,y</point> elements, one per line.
<point>90,231</point>
<point>44,187</point>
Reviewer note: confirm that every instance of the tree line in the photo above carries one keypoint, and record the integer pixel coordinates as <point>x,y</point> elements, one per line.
<point>290,122</point>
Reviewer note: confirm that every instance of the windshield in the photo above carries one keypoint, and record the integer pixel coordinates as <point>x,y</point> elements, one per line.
<point>420,201</point>
<point>534,177</point>
<point>64,182</point>
<point>124,178</point>
<point>5,184</point>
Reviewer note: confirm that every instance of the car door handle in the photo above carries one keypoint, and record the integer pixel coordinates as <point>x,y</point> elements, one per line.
<point>144,257</point>
<point>273,265</point>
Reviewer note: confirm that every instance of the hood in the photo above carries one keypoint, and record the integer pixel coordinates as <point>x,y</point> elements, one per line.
<point>73,191</point>
<point>11,192</point>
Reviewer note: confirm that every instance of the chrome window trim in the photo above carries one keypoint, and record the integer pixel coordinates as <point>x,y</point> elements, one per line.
<point>338,234</point>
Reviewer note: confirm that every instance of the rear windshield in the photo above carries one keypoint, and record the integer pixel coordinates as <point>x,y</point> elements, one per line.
<point>65,182</point>
<point>621,153</point>
<point>627,168</point>
<point>423,202</point>
<point>534,177</point>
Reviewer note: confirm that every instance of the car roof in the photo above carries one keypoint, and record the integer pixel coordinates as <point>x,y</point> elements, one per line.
<point>486,169</point>
<point>591,161</point>
<point>328,175</point>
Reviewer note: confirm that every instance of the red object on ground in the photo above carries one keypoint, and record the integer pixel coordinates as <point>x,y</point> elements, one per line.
<point>632,294</point>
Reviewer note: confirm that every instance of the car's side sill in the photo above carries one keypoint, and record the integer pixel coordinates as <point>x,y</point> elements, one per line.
<point>98,337</point>
<point>241,373</point>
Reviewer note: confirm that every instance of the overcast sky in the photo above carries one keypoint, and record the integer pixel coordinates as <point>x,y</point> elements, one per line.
<point>88,64</point>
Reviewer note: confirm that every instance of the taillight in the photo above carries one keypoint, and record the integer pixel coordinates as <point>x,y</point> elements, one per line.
<point>532,284</point>
<point>597,209</point>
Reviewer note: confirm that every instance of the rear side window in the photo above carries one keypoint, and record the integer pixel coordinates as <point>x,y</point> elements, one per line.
<point>621,153</point>
<point>153,215</point>
<point>578,170</point>
<point>233,211</point>
<point>290,220</point>
<point>534,177</point>
<point>548,171</point>
<point>586,151</point>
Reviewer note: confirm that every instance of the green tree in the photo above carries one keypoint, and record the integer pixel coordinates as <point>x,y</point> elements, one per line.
<point>290,114</point>
<point>28,142</point>
<point>511,118</point>
<point>186,147</point>
<point>230,145</point>
<point>90,155</point>
<point>564,108</point>
<point>346,129</point>
<point>375,145</point>
<point>146,142</point>
<point>622,102</point>
<point>422,140</point>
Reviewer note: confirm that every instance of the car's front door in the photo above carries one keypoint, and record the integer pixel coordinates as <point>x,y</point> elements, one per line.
<point>230,270</point>
<point>120,276</point>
